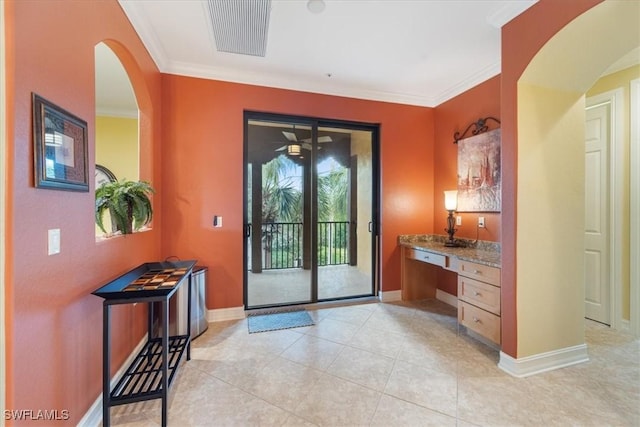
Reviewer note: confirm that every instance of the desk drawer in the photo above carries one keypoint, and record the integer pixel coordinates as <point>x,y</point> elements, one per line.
<point>479,272</point>
<point>479,321</point>
<point>479,293</point>
<point>428,257</point>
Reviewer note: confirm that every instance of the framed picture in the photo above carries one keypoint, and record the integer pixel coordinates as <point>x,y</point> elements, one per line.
<point>479,175</point>
<point>60,148</point>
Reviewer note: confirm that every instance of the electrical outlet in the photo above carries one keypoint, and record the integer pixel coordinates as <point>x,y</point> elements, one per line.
<point>481,221</point>
<point>458,220</point>
<point>217,221</point>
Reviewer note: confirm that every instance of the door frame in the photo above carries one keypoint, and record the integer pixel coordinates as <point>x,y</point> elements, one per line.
<point>315,123</point>
<point>3,207</point>
<point>634,189</point>
<point>614,98</point>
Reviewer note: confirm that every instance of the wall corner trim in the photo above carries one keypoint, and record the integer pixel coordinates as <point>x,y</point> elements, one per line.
<point>222,314</point>
<point>93,417</point>
<point>543,362</point>
<point>390,296</point>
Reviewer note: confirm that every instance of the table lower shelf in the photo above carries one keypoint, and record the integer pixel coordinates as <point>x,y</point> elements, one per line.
<point>143,378</point>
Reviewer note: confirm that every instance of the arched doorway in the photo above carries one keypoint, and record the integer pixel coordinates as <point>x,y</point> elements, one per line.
<point>550,176</point>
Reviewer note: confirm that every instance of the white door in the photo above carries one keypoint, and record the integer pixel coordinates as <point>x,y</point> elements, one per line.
<point>597,286</point>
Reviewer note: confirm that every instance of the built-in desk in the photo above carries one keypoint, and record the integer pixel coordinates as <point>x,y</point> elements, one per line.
<point>477,265</point>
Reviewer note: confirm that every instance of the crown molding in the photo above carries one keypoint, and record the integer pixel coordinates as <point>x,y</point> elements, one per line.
<point>470,82</point>
<point>289,82</point>
<point>134,11</point>
<point>507,12</point>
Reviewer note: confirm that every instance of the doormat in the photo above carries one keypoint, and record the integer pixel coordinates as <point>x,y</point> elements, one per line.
<point>279,320</point>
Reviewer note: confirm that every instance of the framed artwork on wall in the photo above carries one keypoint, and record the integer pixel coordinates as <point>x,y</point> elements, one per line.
<point>479,174</point>
<point>60,148</point>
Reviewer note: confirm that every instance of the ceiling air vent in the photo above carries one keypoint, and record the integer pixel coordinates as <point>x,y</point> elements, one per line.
<point>240,26</point>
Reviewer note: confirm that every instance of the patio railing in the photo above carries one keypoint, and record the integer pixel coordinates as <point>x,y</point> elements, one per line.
<point>282,244</point>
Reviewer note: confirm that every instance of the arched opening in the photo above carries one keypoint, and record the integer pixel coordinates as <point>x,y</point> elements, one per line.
<point>119,122</point>
<point>551,174</point>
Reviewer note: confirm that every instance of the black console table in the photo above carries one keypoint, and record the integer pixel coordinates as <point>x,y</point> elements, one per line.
<point>153,369</point>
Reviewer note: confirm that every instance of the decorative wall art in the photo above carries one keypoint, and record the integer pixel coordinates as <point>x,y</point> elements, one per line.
<point>60,148</point>
<point>479,174</point>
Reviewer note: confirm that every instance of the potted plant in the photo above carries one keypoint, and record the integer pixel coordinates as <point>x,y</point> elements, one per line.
<point>128,204</point>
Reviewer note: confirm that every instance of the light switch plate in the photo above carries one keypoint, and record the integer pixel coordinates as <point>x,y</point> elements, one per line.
<point>481,221</point>
<point>54,241</point>
<point>217,221</point>
<point>458,220</point>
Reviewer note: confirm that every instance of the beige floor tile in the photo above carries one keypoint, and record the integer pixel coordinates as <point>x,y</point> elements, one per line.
<point>400,364</point>
<point>393,412</point>
<point>336,402</point>
<point>362,367</point>
<point>313,351</point>
<point>433,389</point>
<point>498,401</point>
<point>282,383</point>
<point>334,330</point>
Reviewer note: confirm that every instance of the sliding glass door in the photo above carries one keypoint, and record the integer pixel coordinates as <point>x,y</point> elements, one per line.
<point>310,198</point>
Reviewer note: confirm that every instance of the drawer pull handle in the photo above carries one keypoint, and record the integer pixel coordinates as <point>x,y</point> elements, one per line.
<point>476,320</point>
<point>477,272</point>
<point>476,293</point>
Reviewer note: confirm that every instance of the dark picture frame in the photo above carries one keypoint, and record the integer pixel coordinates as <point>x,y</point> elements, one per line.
<point>479,173</point>
<point>60,148</point>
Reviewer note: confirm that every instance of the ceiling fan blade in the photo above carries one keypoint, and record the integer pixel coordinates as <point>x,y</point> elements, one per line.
<point>284,147</point>
<point>306,146</point>
<point>321,139</point>
<point>290,136</point>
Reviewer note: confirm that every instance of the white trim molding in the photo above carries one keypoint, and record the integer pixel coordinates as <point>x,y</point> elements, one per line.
<point>223,314</point>
<point>614,99</point>
<point>543,362</point>
<point>93,417</point>
<point>390,296</point>
<point>634,214</point>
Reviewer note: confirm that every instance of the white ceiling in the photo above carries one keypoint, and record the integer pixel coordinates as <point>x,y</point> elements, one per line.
<point>418,52</point>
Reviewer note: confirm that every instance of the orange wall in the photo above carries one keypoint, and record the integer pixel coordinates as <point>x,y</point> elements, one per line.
<point>54,325</point>
<point>203,163</point>
<point>453,116</point>
<point>522,38</point>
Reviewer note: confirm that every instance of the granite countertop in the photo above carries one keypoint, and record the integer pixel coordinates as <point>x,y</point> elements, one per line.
<point>480,251</point>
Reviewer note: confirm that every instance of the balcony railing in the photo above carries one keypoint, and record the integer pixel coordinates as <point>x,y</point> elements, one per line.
<point>282,244</point>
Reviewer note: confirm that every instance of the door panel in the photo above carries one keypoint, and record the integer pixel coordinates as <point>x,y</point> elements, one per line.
<point>345,200</point>
<point>597,286</point>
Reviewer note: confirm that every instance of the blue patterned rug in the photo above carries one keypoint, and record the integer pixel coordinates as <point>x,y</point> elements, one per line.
<point>280,320</point>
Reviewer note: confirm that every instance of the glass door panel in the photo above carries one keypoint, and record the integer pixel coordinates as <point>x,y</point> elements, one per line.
<point>278,261</point>
<point>344,200</point>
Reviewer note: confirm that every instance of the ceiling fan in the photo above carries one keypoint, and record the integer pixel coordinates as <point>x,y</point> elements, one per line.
<point>294,146</point>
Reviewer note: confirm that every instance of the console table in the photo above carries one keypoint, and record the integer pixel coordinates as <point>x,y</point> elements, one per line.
<point>153,369</point>
<point>477,265</point>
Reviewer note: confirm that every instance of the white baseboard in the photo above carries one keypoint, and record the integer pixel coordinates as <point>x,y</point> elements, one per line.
<point>543,362</point>
<point>446,297</point>
<point>93,417</point>
<point>625,325</point>
<point>390,296</point>
<point>222,314</point>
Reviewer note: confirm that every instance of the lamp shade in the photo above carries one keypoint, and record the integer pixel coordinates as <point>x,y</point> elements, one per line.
<point>451,200</point>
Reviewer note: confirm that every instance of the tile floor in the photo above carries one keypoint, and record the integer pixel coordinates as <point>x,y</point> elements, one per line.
<point>388,365</point>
